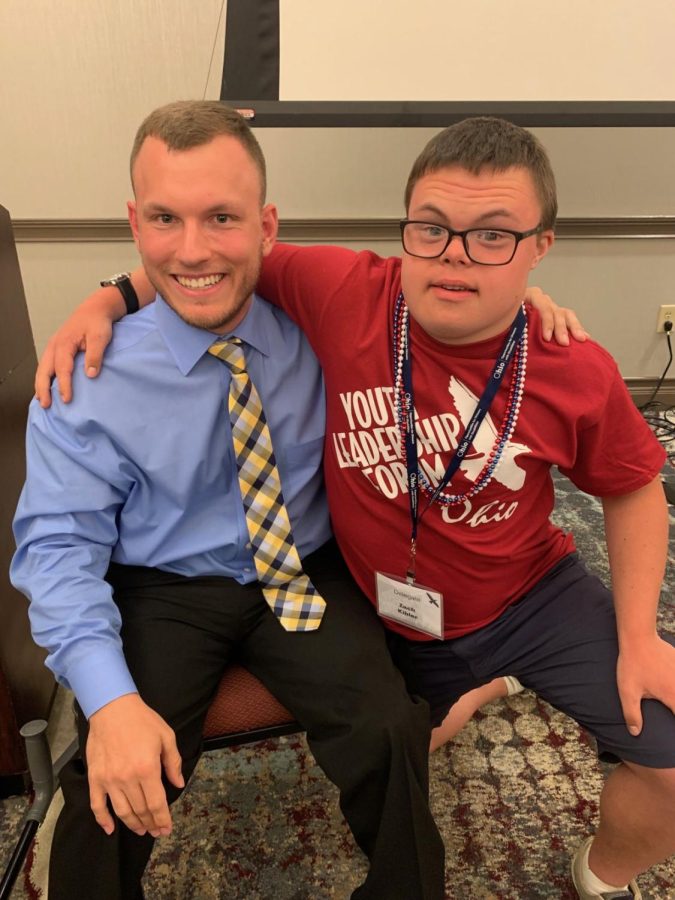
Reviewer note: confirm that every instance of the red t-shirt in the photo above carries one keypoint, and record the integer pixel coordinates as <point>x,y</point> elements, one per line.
<point>486,552</point>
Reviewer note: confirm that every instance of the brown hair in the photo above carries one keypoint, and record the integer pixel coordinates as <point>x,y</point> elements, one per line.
<point>489,143</point>
<point>193,123</point>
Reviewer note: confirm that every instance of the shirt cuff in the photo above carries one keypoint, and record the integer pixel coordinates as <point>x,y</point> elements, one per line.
<point>98,681</point>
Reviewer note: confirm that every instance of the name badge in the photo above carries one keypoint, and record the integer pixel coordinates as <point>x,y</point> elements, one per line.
<point>413,605</point>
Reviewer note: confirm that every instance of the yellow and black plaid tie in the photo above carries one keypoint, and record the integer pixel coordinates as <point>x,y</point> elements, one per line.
<point>288,591</point>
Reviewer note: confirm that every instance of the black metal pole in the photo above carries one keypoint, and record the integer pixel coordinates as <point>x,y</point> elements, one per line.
<point>40,764</point>
<point>18,858</point>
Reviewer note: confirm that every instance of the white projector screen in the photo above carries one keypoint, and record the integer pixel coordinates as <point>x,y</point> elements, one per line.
<point>425,62</point>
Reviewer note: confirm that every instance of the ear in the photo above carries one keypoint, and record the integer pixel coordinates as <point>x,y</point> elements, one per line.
<point>545,241</point>
<point>270,227</point>
<point>133,220</point>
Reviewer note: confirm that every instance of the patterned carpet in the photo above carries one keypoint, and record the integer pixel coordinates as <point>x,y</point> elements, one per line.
<point>513,796</point>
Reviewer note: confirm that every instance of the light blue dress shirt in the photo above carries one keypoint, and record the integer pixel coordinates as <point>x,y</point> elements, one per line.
<point>140,469</point>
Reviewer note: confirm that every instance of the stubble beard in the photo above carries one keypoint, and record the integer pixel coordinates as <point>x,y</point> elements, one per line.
<point>218,321</point>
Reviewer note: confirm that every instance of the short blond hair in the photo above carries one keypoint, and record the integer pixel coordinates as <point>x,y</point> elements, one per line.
<point>192,123</point>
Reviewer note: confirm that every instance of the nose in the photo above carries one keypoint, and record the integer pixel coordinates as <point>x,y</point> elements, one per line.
<point>193,248</point>
<point>455,251</point>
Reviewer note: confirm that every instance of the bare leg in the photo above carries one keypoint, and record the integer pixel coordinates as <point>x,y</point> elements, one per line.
<point>460,713</point>
<point>637,823</point>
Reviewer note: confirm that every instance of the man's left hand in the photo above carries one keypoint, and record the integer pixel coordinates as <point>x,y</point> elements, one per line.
<point>556,321</point>
<point>645,671</point>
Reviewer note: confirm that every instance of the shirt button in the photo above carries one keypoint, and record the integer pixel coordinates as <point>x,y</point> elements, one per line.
<point>249,546</point>
<point>247,568</point>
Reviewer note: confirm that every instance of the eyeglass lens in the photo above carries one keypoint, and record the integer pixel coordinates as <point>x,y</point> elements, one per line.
<point>482,245</point>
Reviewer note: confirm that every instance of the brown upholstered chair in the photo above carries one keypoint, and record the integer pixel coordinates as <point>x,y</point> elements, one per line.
<point>243,710</point>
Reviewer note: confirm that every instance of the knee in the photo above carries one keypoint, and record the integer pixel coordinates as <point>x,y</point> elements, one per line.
<point>396,721</point>
<point>661,784</point>
<point>665,783</point>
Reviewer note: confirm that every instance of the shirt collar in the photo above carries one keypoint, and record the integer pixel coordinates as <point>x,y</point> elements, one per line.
<point>187,343</point>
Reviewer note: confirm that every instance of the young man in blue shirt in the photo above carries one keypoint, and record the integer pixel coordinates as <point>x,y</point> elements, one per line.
<point>135,548</point>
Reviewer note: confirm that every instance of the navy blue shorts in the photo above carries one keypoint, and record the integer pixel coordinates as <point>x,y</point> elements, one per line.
<point>560,641</point>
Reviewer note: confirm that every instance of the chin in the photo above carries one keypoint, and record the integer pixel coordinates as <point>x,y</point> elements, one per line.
<point>218,320</point>
<point>443,336</point>
<point>206,321</point>
<point>440,328</point>
<point>450,334</point>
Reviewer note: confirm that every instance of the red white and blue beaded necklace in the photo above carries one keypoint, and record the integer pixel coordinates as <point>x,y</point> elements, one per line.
<point>514,347</point>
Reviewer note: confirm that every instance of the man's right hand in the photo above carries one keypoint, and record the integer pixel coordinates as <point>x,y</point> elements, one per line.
<point>127,747</point>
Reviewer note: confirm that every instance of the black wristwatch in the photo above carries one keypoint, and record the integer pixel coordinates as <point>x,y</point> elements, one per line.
<point>122,281</point>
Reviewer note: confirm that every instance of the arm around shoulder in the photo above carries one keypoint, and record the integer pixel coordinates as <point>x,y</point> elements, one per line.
<point>89,328</point>
<point>301,280</point>
<point>556,321</point>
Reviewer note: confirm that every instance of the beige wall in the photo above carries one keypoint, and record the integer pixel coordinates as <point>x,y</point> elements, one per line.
<point>77,77</point>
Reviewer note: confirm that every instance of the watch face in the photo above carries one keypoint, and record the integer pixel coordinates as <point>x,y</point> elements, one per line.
<point>115,280</point>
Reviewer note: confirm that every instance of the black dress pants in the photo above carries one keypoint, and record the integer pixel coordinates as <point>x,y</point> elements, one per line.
<point>366,733</point>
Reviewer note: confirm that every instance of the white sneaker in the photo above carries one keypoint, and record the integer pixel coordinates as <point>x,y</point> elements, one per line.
<point>631,893</point>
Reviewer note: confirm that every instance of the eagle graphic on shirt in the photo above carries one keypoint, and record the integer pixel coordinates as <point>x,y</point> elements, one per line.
<point>508,472</point>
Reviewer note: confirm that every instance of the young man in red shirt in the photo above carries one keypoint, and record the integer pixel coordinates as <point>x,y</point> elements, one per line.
<point>446,411</point>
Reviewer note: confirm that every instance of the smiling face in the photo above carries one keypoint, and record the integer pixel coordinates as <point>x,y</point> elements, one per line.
<point>200,228</point>
<point>453,299</point>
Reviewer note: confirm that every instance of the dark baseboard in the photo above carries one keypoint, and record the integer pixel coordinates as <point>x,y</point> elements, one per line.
<point>641,390</point>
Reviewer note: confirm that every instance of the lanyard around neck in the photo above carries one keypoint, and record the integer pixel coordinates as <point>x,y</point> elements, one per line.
<point>407,406</point>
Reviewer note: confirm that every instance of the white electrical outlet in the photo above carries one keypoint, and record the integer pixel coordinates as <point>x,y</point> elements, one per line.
<point>666,314</point>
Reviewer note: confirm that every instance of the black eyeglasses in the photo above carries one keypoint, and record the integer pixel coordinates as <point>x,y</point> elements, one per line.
<point>485,246</point>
